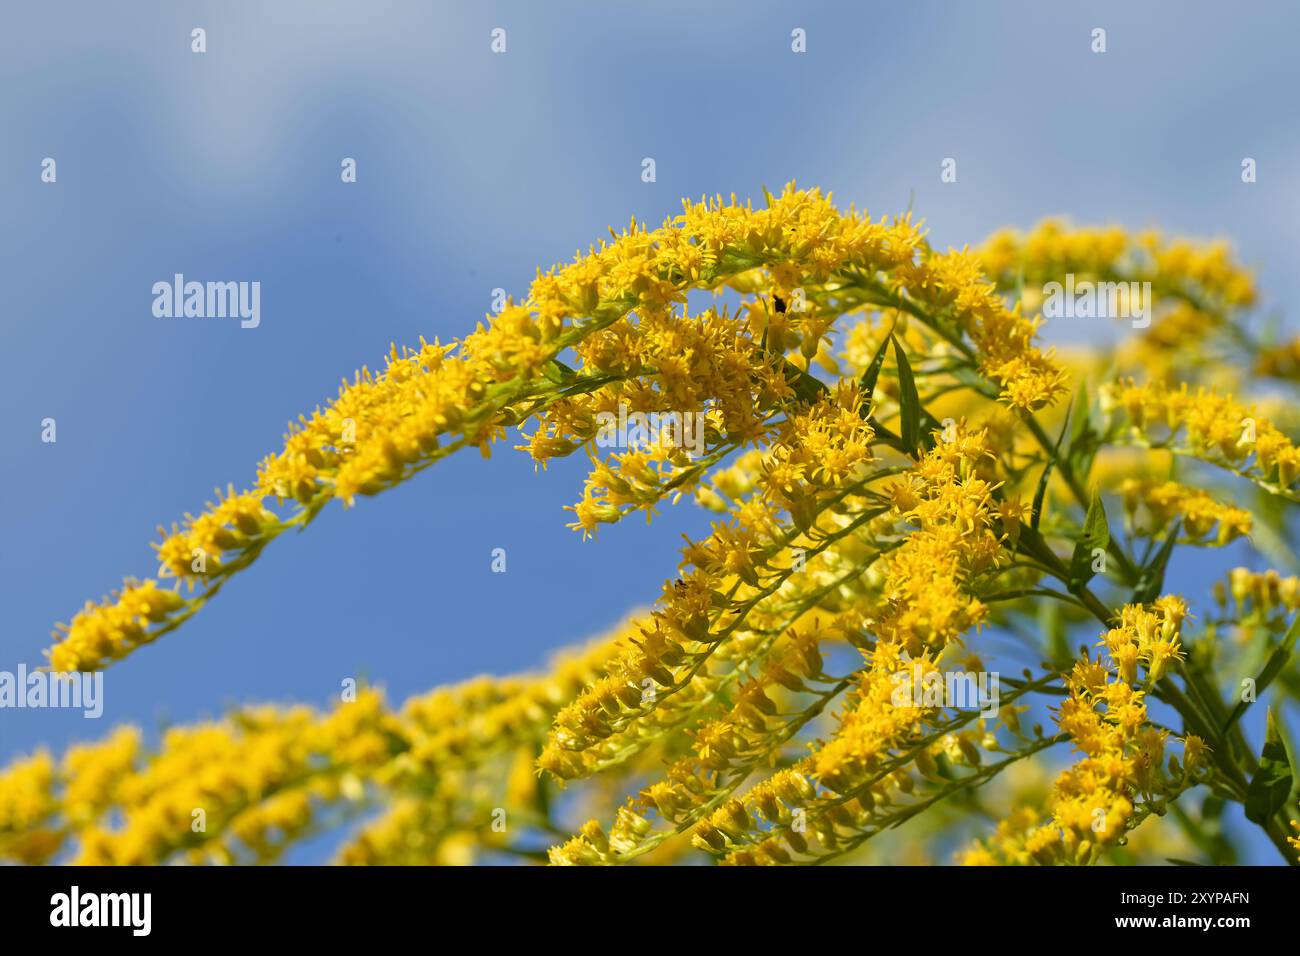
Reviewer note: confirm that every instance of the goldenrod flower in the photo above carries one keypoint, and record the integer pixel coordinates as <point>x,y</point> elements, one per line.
<point>870,427</point>
<point>621,308</point>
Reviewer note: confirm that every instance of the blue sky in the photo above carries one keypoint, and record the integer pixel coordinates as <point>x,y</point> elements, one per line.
<point>474,169</point>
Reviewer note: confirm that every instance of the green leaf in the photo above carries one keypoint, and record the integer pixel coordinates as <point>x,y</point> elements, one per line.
<point>1040,492</point>
<point>1035,545</point>
<point>807,387</point>
<point>1095,534</point>
<point>909,401</point>
<point>885,436</point>
<point>869,377</point>
<point>1270,788</point>
<point>1272,667</point>
<point>558,372</point>
<point>803,514</point>
<point>1278,659</point>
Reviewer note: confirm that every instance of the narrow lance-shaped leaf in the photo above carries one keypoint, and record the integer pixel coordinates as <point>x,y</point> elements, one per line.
<point>1152,580</point>
<point>1270,788</point>
<point>1040,493</point>
<point>808,388</point>
<point>869,377</point>
<point>909,401</point>
<point>1094,535</point>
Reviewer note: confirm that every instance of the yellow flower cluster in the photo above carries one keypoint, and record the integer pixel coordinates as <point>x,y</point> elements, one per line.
<point>881,765</point>
<point>94,775</point>
<point>1152,506</point>
<point>617,308</point>
<point>953,285</point>
<point>949,497</point>
<point>1095,802</point>
<point>1204,272</point>
<point>1280,361</point>
<point>27,802</point>
<point>874,724</point>
<point>1208,426</point>
<point>867,527</point>
<point>415,831</point>
<point>108,631</point>
<point>242,789</point>
<point>725,748</point>
<point>1248,593</point>
<point>1196,289</point>
<point>822,454</point>
<point>206,776</point>
<point>956,535</point>
<point>233,525</point>
<point>706,368</point>
<point>466,724</point>
<point>1008,844</point>
<point>469,751</point>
